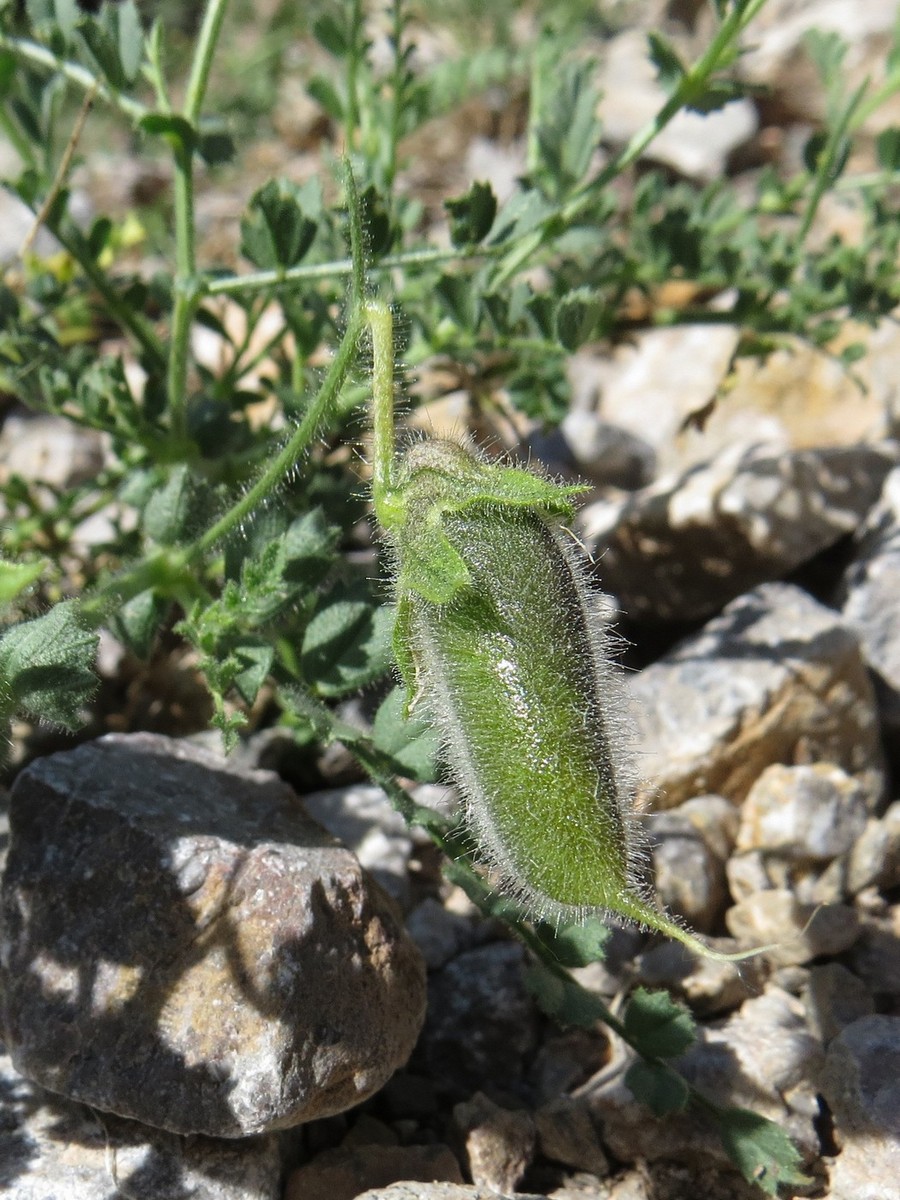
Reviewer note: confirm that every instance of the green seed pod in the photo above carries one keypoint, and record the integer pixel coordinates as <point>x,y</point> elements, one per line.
<point>500,637</point>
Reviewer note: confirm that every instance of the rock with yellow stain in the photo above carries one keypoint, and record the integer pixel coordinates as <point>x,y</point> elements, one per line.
<point>182,945</point>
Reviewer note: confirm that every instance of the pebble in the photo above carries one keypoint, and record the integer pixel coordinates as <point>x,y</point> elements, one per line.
<point>681,549</point>
<point>861,1084</point>
<point>868,595</point>
<point>49,450</point>
<point>567,1134</point>
<point>874,860</point>
<point>775,678</point>
<point>438,1191</point>
<point>183,946</point>
<point>440,934</point>
<point>709,987</point>
<point>689,877</point>
<point>774,53</point>
<point>875,957</point>
<point>585,447</point>
<point>55,1148</point>
<point>499,1142</point>
<point>641,394</point>
<point>344,1172</point>
<point>762,1057</point>
<point>796,932</point>
<point>835,998</point>
<point>814,811</point>
<point>565,1061</point>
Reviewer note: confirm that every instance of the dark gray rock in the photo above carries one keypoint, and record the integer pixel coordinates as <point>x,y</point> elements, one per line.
<point>481,1024</point>
<point>775,678</point>
<point>861,1083</point>
<point>183,946</point>
<point>876,954</point>
<point>679,551</point>
<point>55,1149</point>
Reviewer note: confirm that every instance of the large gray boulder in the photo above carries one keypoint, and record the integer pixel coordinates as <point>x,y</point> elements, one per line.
<point>183,946</point>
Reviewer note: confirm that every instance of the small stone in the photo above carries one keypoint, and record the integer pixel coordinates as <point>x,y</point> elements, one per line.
<point>868,595</point>
<point>49,451</point>
<point>346,1171</point>
<point>874,860</point>
<point>438,1191</point>
<point>481,1022</point>
<point>644,396</point>
<point>806,812</point>
<point>835,998</point>
<point>51,1147</point>
<point>861,1083</point>
<point>774,54</point>
<point>689,878</point>
<point>567,1134</point>
<point>587,447</point>
<point>775,678</point>
<point>797,932</point>
<point>875,957</point>
<point>754,871</point>
<point>716,820</point>
<point>567,1060</point>
<point>697,145</point>
<point>499,1142</point>
<point>439,934</point>
<point>182,945</point>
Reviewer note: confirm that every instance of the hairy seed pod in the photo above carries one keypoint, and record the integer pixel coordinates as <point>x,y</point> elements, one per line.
<point>507,653</point>
<point>516,681</point>
<point>499,636</point>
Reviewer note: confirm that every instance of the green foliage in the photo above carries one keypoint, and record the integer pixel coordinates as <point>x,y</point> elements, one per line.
<point>231,502</point>
<point>46,667</point>
<point>761,1150</point>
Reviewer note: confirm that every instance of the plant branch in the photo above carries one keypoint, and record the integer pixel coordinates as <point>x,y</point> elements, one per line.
<point>35,53</point>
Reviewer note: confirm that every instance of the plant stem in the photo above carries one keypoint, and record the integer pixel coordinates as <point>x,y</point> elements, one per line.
<point>203,56</point>
<point>257,281</point>
<point>187,290</point>
<point>378,318</point>
<point>39,55</point>
<point>294,448</point>
<point>324,401</point>
<point>351,119</point>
